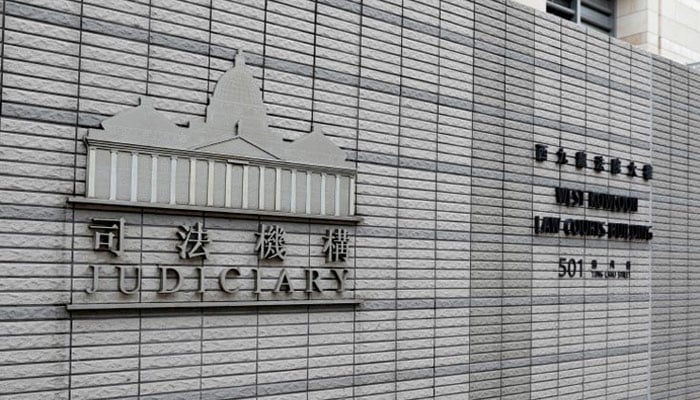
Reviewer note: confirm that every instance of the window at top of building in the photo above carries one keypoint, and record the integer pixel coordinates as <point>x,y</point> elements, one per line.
<point>598,14</point>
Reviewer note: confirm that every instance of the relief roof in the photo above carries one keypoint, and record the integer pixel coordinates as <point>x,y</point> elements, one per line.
<point>235,126</point>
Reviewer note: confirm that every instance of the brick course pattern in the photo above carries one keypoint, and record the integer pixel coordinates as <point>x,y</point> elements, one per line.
<point>439,103</point>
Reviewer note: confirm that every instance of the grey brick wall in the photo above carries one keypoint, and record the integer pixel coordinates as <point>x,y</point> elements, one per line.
<point>439,103</point>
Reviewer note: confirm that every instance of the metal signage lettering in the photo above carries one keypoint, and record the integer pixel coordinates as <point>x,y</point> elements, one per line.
<point>572,227</point>
<point>270,243</point>
<point>544,225</point>
<point>615,164</point>
<point>109,235</point>
<point>171,279</point>
<point>571,268</point>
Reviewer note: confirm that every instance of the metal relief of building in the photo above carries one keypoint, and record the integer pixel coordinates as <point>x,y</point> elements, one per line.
<point>228,164</point>
<point>441,200</point>
<point>135,159</point>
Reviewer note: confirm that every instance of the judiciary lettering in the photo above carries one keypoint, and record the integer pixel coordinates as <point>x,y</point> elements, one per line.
<point>109,235</point>
<point>270,244</point>
<point>172,279</point>
<point>193,242</point>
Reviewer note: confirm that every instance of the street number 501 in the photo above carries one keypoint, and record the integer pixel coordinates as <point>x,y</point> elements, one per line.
<point>570,267</point>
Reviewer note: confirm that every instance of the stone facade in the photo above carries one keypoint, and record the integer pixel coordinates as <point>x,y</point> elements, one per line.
<point>439,105</point>
<point>668,28</point>
<point>665,27</point>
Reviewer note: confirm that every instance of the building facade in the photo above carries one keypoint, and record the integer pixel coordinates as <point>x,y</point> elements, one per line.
<point>664,27</point>
<point>244,199</point>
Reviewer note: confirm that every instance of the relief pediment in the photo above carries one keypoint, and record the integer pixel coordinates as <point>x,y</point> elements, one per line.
<point>230,160</point>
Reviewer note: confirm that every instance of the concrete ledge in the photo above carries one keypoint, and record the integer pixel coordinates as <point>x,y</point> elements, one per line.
<point>209,304</point>
<point>88,202</point>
